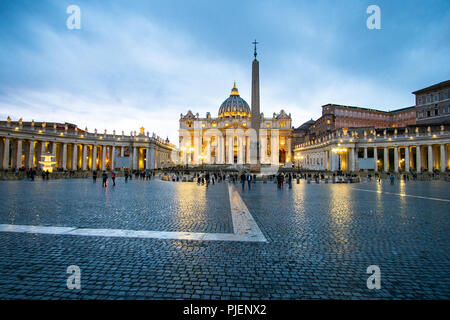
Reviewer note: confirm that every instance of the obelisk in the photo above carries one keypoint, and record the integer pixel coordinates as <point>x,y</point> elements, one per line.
<point>255,145</point>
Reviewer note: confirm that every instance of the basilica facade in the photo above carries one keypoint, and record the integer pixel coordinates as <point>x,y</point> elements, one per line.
<point>240,134</point>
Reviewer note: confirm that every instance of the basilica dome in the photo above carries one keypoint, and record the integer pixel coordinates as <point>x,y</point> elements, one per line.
<point>234,106</point>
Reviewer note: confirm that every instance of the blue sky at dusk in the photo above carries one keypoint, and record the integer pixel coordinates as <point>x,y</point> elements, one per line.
<point>142,63</point>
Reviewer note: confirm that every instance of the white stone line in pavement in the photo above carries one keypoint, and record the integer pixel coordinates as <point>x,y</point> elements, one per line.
<point>245,228</point>
<point>243,222</point>
<point>402,195</point>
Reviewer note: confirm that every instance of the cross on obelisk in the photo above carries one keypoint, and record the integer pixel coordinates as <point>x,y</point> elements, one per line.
<point>255,43</point>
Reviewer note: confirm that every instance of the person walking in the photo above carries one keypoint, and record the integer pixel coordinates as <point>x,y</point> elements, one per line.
<point>105,178</point>
<point>113,177</point>
<point>243,180</point>
<point>249,181</point>
<point>290,181</point>
<point>94,176</point>
<point>392,178</point>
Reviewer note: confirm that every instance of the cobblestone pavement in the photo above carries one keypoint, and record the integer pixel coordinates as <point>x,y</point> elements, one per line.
<point>321,239</point>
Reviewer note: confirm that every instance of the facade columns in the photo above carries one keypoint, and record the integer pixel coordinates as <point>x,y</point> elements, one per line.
<point>395,159</point>
<point>351,167</point>
<point>152,157</point>
<point>430,158</point>
<point>386,160</point>
<point>275,148</point>
<point>64,156</point>
<point>407,159</point>
<point>219,149</point>
<point>230,149</point>
<point>208,150</point>
<point>375,157</point>
<point>443,157</point>
<point>75,157</point>
<point>19,154</point>
<point>365,152</point>
<point>263,145</point>
<point>84,155</point>
<point>30,163</point>
<point>6,154</point>
<point>147,159</point>
<point>113,157</point>
<point>240,150</point>
<point>135,158</point>
<point>418,159</point>
<point>94,158</point>
<point>103,157</point>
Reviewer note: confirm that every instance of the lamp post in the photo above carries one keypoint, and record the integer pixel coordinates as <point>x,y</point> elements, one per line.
<point>202,158</point>
<point>298,158</point>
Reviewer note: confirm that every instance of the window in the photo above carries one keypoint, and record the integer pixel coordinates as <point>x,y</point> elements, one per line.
<point>428,99</point>
<point>445,95</point>
<point>436,112</point>
<point>436,97</point>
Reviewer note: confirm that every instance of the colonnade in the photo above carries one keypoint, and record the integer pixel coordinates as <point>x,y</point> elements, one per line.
<point>428,155</point>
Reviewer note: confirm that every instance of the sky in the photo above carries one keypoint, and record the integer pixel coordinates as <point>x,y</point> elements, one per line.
<point>143,63</point>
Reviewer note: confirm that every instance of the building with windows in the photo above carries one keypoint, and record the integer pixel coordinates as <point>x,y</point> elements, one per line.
<point>351,138</point>
<point>433,104</point>
<point>336,116</point>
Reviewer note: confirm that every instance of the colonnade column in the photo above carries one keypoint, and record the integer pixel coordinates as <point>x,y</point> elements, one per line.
<point>84,155</point>
<point>375,157</point>
<point>103,157</point>
<point>113,157</point>
<point>443,157</point>
<point>75,157</point>
<point>407,158</point>
<point>365,152</point>
<point>208,150</point>
<point>430,158</point>
<point>94,158</point>
<point>352,160</point>
<point>19,153</point>
<point>395,159</point>
<point>5,163</point>
<point>31,155</point>
<point>147,158</point>
<point>386,160</point>
<point>418,159</point>
<point>64,157</point>
<point>135,158</point>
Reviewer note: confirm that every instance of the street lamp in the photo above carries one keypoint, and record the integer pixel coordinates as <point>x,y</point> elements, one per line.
<point>202,158</point>
<point>298,158</point>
